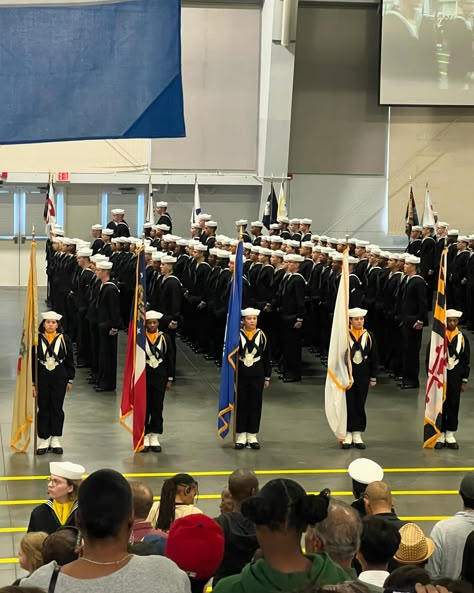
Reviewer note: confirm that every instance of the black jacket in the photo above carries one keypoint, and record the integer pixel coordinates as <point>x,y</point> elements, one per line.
<point>43,518</point>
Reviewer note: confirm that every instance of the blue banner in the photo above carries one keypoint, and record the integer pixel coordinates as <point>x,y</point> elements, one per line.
<point>103,69</point>
<point>231,347</point>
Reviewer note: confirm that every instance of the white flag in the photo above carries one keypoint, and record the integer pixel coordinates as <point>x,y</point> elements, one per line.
<point>339,375</point>
<point>428,216</point>
<point>197,203</point>
<point>282,209</point>
<point>150,217</point>
<point>50,207</point>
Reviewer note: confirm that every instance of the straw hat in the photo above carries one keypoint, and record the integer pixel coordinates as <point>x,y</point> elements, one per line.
<point>415,547</point>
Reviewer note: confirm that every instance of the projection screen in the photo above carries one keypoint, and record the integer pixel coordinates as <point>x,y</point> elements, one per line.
<point>427,52</point>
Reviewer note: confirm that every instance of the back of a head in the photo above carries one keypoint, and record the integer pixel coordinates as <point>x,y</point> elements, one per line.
<point>31,546</point>
<point>142,498</point>
<point>18,589</point>
<point>167,513</point>
<point>61,546</point>
<point>467,571</point>
<point>105,504</point>
<point>340,532</point>
<point>243,483</point>
<point>405,578</point>
<point>453,585</point>
<point>466,490</point>
<point>283,504</point>
<point>379,541</point>
<point>379,495</point>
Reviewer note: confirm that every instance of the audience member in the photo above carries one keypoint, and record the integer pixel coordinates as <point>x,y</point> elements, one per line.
<point>467,571</point>
<point>17,589</point>
<point>453,585</point>
<point>406,577</point>
<point>29,551</point>
<point>142,548</point>
<point>379,542</point>
<point>142,498</point>
<point>415,547</point>
<point>227,504</point>
<point>62,546</point>
<point>347,587</point>
<point>105,518</point>
<point>363,472</point>
<point>281,512</point>
<point>196,544</point>
<point>177,500</point>
<point>158,542</point>
<point>239,533</point>
<point>450,535</point>
<point>378,501</point>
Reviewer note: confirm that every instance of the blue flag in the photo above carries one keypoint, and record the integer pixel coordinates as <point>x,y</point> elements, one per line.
<point>89,70</point>
<point>271,209</point>
<point>231,348</point>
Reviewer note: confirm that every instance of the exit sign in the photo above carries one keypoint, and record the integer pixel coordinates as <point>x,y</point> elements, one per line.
<point>63,177</point>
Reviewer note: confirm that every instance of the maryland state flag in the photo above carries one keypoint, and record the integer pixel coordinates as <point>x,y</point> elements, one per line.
<point>24,402</point>
<point>437,366</point>
<point>231,348</point>
<point>411,215</point>
<point>133,406</point>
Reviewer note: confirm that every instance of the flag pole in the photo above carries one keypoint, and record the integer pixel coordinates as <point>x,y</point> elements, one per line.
<point>35,373</point>
<point>236,375</point>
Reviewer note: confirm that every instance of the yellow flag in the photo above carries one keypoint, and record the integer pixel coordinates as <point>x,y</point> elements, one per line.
<point>24,403</point>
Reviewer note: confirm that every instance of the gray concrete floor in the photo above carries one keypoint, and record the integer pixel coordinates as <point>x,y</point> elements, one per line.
<point>296,440</point>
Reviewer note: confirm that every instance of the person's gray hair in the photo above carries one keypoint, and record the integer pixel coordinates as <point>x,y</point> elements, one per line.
<point>340,532</point>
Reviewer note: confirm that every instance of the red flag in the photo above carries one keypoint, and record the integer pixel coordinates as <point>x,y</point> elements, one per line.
<point>133,406</point>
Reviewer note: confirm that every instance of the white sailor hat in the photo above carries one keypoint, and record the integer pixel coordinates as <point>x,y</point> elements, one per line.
<point>342,241</point>
<point>67,241</point>
<point>315,237</point>
<point>307,244</point>
<point>255,249</point>
<point>226,240</point>
<point>463,238</point>
<point>241,222</point>
<point>333,240</point>
<point>182,242</point>
<point>453,232</point>
<point>168,259</point>
<point>395,256</point>
<point>204,216</point>
<point>104,265</point>
<point>274,226</point>
<point>153,315</point>
<point>306,221</point>
<point>223,254</point>
<point>84,252</point>
<point>265,251</point>
<point>59,232</point>
<point>365,471</point>
<point>276,239</point>
<point>107,231</point>
<point>96,227</point>
<point>352,260</point>
<point>247,245</point>
<point>357,312</point>
<point>284,219</point>
<point>266,238</point>
<point>295,258</point>
<point>232,258</point>
<point>162,204</point>
<point>173,238</point>
<point>118,211</point>
<point>199,247</point>
<point>412,259</point>
<point>147,225</point>
<point>99,257</point>
<point>150,249</point>
<point>416,227</point>
<point>318,248</point>
<point>471,237</point>
<point>51,316</point>
<point>375,250</point>
<point>157,255</point>
<point>336,256</point>
<point>372,246</point>
<point>326,250</point>
<point>67,470</point>
<point>278,253</point>
<point>402,256</point>
<point>293,243</point>
<point>249,311</point>
<point>257,223</point>
<point>360,243</point>
<point>114,240</point>
<point>385,254</point>
<point>453,313</point>
<point>352,241</point>
<point>324,238</point>
<point>211,223</point>
<point>428,226</point>
<point>195,225</point>
<point>295,221</point>
<point>57,240</point>
<point>137,242</point>
<point>234,242</point>
<point>162,227</point>
<point>443,225</point>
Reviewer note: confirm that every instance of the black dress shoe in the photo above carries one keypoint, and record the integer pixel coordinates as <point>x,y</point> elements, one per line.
<point>156,448</point>
<point>41,451</point>
<point>239,446</point>
<point>360,446</point>
<point>208,357</point>
<point>145,450</point>
<point>439,445</point>
<point>218,364</point>
<point>454,446</point>
<point>255,446</point>
<point>57,450</point>
<point>291,379</point>
<point>102,389</point>
<point>345,446</point>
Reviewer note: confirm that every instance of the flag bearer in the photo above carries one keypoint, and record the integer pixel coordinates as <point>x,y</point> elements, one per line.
<point>160,369</point>
<point>55,376</point>
<point>364,372</point>
<point>253,377</point>
<point>457,376</point>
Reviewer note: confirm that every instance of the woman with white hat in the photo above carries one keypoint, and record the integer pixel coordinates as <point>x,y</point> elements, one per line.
<point>254,376</point>
<point>55,377</point>
<point>364,373</point>
<point>61,506</point>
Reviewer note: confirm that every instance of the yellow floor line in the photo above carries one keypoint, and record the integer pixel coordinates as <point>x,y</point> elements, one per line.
<point>262,472</point>
<point>8,560</point>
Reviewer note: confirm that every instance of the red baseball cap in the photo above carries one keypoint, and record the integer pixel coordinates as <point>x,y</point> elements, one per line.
<point>196,544</point>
